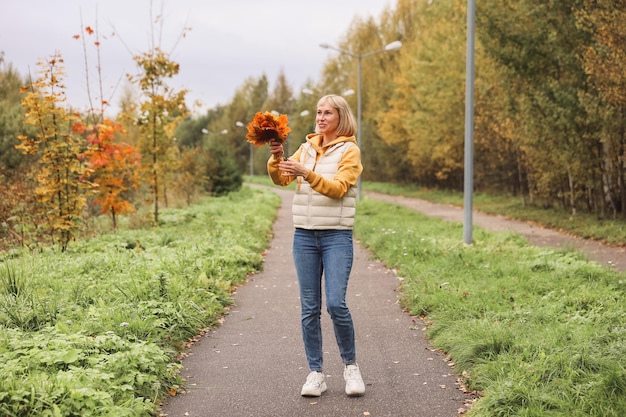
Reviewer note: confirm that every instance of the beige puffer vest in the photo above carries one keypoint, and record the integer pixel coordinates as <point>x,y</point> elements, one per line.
<point>314,211</point>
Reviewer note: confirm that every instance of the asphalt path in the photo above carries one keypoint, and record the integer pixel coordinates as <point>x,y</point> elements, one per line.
<point>254,364</point>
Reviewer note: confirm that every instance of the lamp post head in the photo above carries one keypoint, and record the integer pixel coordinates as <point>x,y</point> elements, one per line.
<point>239,124</point>
<point>393,46</point>
<point>325,46</point>
<point>207,131</point>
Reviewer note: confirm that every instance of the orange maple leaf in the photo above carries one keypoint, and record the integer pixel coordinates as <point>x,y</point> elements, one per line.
<point>89,30</point>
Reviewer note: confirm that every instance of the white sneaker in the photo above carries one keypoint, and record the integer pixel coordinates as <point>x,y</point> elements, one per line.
<point>315,384</point>
<point>354,381</point>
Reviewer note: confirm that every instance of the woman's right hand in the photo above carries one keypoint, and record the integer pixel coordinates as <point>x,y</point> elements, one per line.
<point>276,148</point>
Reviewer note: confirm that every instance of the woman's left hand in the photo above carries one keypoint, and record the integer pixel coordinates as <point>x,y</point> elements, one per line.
<point>292,168</point>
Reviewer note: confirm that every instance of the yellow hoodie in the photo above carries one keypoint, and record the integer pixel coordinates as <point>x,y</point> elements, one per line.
<point>347,174</point>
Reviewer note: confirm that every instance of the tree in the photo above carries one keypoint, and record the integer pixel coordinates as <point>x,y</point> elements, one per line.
<point>159,113</point>
<point>222,173</point>
<point>128,115</point>
<point>538,44</point>
<point>113,168</point>
<point>11,116</point>
<point>59,151</point>
<point>251,97</point>
<point>422,116</point>
<point>604,60</point>
<point>255,93</point>
<point>280,98</point>
<point>191,177</point>
<point>14,192</point>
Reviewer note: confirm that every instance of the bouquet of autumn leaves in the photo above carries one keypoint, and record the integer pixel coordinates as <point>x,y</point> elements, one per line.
<point>265,127</point>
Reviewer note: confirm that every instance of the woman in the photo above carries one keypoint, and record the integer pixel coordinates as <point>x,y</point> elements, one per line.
<point>326,168</point>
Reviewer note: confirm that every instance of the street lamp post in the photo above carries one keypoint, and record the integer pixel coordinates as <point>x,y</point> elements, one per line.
<point>389,47</point>
<point>468,183</point>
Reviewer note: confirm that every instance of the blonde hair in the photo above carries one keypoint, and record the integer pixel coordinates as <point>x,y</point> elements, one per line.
<point>347,124</point>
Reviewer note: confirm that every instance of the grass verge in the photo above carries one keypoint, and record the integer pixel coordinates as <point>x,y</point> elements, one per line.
<point>97,330</point>
<point>538,332</point>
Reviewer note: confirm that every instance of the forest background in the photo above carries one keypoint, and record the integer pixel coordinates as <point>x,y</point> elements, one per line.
<point>549,118</point>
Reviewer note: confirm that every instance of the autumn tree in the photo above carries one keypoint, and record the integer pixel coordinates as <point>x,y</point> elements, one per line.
<point>191,177</point>
<point>538,43</point>
<point>160,111</point>
<point>113,168</point>
<point>59,151</point>
<point>604,60</point>
<point>424,115</point>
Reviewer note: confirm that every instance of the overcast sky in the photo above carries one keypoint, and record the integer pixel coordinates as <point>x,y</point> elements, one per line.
<point>229,40</point>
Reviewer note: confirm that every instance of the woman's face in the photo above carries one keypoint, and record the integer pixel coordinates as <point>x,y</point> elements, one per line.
<point>327,120</point>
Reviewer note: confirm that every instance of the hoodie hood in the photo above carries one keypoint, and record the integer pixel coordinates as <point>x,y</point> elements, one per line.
<point>315,138</point>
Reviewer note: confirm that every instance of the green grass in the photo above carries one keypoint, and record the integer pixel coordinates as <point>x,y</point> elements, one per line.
<point>97,330</point>
<point>538,332</point>
<point>585,225</point>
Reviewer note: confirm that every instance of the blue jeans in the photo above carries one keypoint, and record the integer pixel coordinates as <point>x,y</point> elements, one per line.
<point>328,252</point>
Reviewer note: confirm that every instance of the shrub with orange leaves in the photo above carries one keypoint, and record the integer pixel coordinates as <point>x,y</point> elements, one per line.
<point>266,126</point>
<point>113,167</point>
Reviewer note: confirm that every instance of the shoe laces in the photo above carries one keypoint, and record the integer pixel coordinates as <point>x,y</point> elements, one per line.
<point>315,378</point>
<point>352,372</point>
